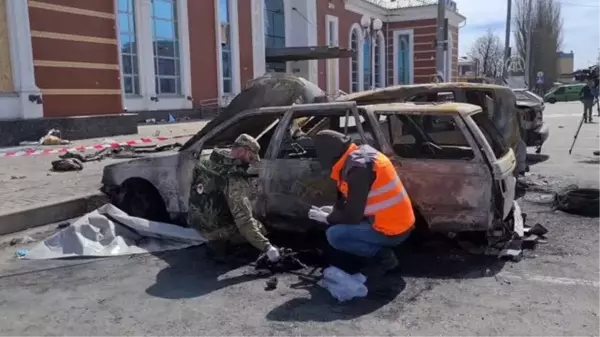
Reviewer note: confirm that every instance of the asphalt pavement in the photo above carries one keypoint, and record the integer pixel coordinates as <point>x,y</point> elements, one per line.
<point>441,290</point>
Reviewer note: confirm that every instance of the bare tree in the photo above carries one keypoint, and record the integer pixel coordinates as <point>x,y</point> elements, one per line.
<point>541,21</point>
<point>488,52</point>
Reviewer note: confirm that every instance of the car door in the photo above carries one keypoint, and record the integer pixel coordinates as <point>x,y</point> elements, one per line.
<point>451,191</point>
<point>292,179</point>
<point>559,94</point>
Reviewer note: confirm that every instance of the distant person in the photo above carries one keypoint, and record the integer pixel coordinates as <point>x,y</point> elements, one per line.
<point>596,91</point>
<point>586,95</point>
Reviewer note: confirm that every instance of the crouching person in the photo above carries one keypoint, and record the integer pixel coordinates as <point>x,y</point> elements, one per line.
<point>220,206</point>
<point>373,214</point>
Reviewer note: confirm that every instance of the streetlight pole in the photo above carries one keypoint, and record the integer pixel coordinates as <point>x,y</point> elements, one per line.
<point>507,39</point>
<point>440,37</point>
<point>371,28</point>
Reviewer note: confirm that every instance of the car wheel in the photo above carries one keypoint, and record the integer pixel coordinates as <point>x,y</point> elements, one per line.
<point>140,199</point>
<point>552,100</point>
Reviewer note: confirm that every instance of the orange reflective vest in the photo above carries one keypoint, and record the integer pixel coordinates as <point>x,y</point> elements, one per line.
<point>388,206</point>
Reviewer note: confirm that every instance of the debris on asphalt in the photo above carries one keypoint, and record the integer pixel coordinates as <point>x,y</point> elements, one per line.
<point>53,137</point>
<point>271,284</point>
<point>21,241</point>
<point>73,161</point>
<point>66,165</point>
<point>22,252</point>
<point>579,201</point>
<point>342,285</point>
<point>17,177</point>
<point>63,225</point>
<point>596,153</point>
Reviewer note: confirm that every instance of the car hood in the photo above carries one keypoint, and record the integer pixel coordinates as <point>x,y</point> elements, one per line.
<point>272,89</point>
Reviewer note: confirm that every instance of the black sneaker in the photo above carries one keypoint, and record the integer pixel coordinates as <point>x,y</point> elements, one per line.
<point>384,261</point>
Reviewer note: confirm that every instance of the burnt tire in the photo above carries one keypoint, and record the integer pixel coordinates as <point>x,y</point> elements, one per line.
<point>579,201</point>
<point>140,199</point>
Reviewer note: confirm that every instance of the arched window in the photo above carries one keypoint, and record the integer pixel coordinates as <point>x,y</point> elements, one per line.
<point>380,61</point>
<point>275,31</point>
<point>354,39</point>
<point>403,61</point>
<point>367,64</point>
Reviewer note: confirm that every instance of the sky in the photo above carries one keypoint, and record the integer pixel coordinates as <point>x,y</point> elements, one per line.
<point>581,28</point>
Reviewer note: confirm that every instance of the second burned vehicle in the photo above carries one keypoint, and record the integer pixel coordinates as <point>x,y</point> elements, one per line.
<point>450,157</point>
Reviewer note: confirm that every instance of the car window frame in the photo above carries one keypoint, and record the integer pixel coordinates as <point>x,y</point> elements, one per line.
<point>275,144</point>
<point>461,125</point>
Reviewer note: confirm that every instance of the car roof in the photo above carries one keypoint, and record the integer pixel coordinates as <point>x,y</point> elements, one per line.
<point>428,86</point>
<point>450,108</point>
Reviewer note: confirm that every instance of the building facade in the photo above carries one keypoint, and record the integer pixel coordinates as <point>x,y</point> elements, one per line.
<point>63,58</point>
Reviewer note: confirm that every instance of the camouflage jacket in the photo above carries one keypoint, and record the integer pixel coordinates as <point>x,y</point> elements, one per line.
<point>220,206</point>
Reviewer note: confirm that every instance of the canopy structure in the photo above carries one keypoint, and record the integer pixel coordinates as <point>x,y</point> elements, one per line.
<point>395,4</point>
<point>306,53</point>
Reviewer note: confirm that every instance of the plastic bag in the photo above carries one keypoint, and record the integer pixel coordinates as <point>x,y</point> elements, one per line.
<point>342,285</point>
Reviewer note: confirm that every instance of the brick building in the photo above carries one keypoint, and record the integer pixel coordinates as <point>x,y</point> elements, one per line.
<point>64,58</point>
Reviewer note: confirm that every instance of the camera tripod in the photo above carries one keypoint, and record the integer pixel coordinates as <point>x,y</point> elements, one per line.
<point>577,133</point>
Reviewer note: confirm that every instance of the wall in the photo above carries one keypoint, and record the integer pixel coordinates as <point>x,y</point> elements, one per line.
<point>245,48</point>
<point>346,20</point>
<point>423,50</point>
<point>6,78</point>
<point>565,65</point>
<point>203,50</point>
<point>76,57</point>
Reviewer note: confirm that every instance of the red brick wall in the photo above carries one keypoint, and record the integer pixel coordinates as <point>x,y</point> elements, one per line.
<point>346,20</point>
<point>203,50</point>
<point>76,57</point>
<point>245,33</point>
<point>423,49</point>
<point>454,31</point>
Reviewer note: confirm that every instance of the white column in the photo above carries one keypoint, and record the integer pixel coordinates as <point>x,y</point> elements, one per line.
<point>258,37</point>
<point>184,52</point>
<point>21,54</point>
<point>145,49</point>
<point>235,46</point>
<point>311,15</point>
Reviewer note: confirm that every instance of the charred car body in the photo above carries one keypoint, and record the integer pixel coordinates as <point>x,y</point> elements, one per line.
<point>497,102</point>
<point>532,108</point>
<point>450,156</point>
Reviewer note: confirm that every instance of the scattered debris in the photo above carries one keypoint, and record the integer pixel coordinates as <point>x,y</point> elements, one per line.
<point>271,284</point>
<point>53,137</point>
<point>63,225</point>
<point>157,133</point>
<point>596,153</point>
<point>21,241</point>
<point>22,252</point>
<point>66,165</point>
<point>17,177</point>
<point>579,201</point>
<point>150,121</point>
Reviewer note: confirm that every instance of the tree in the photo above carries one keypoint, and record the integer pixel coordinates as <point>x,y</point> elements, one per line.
<point>488,52</point>
<point>538,25</point>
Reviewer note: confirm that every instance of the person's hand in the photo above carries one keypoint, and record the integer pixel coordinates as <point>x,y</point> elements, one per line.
<point>327,209</point>
<point>273,254</point>
<point>317,214</point>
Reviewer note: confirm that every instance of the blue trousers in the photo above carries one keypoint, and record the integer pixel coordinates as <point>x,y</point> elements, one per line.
<point>361,239</point>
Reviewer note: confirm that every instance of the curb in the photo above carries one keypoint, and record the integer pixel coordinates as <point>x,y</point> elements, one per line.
<point>51,212</point>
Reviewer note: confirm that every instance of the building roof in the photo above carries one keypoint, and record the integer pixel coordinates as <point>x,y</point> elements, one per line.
<point>395,4</point>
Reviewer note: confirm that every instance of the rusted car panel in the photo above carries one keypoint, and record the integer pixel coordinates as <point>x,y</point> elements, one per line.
<point>501,106</point>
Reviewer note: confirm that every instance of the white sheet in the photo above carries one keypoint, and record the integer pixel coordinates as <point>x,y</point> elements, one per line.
<point>97,234</point>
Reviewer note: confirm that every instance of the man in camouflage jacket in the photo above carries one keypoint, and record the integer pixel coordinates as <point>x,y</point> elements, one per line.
<point>221,198</point>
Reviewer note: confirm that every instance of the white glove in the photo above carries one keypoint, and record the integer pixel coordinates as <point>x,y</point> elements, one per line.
<point>318,214</point>
<point>327,209</point>
<point>273,254</point>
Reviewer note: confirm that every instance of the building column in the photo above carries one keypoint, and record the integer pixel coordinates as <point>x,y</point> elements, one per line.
<point>258,37</point>
<point>311,15</point>
<point>21,54</point>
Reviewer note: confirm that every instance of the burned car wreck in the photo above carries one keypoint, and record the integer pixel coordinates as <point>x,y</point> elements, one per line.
<point>451,158</point>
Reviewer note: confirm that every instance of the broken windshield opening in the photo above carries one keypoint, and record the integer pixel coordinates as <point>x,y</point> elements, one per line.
<point>491,134</point>
<point>426,137</point>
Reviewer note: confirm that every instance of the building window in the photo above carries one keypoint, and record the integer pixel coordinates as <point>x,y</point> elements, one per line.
<point>354,85</point>
<point>166,47</point>
<point>224,11</point>
<point>129,67</point>
<point>275,31</point>
<point>403,59</point>
<point>367,64</point>
<point>377,69</point>
<point>380,61</point>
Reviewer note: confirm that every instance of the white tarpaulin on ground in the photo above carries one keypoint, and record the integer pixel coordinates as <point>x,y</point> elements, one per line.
<point>108,231</point>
